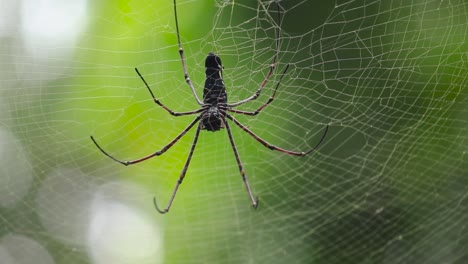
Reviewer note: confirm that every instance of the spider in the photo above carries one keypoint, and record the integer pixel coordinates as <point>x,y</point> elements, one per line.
<point>214,112</point>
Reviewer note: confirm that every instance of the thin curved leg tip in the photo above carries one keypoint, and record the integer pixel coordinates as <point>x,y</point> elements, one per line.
<point>157,208</point>
<point>255,205</point>
<point>126,163</point>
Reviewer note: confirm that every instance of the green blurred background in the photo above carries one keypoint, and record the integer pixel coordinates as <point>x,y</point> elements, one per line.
<point>388,185</point>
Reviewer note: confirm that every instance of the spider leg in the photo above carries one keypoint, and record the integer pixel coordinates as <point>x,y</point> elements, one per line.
<point>182,58</point>
<point>241,167</point>
<point>272,65</point>
<point>272,97</point>
<point>273,147</point>
<point>157,153</point>
<point>162,105</point>
<point>182,174</point>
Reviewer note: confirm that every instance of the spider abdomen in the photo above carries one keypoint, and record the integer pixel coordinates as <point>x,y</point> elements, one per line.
<point>214,91</point>
<point>214,94</point>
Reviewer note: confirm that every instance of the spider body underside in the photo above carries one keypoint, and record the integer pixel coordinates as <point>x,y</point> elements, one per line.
<point>213,114</point>
<point>214,95</point>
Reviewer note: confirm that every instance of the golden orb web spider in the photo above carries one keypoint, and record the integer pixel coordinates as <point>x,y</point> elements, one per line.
<point>213,111</point>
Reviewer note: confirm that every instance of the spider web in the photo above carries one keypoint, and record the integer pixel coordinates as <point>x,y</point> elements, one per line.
<point>388,184</point>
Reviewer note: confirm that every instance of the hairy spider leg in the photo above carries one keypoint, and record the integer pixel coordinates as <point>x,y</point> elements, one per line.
<point>165,107</point>
<point>272,97</point>
<point>157,153</point>
<point>241,168</point>
<point>273,147</point>
<point>182,174</point>
<point>182,59</point>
